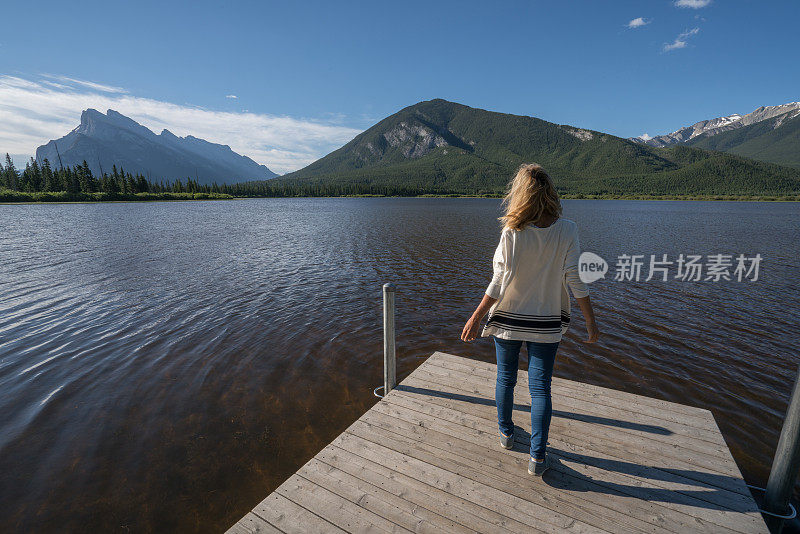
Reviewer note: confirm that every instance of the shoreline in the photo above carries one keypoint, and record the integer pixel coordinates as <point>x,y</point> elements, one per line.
<point>62,197</point>
<point>716,198</point>
<point>186,197</point>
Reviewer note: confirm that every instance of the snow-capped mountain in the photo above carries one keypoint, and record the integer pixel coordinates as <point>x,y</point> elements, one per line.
<point>712,127</point>
<point>105,140</point>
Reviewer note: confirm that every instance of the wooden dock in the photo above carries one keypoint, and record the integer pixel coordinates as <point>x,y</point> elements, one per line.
<point>427,458</point>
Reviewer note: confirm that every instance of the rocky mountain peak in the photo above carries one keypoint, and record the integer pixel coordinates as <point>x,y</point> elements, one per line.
<point>718,125</point>
<point>104,140</point>
<point>414,140</point>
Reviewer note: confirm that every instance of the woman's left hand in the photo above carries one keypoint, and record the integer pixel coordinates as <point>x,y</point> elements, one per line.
<point>470,331</point>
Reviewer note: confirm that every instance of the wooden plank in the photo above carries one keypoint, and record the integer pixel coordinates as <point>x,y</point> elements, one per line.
<point>252,524</point>
<point>660,409</point>
<point>442,358</point>
<point>671,412</point>
<point>413,505</point>
<point>615,492</point>
<point>587,411</point>
<point>461,513</point>
<point>481,448</point>
<point>458,423</point>
<point>473,426</point>
<point>634,417</point>
<point>369,497</point>
<point>335,509</point>
<point>579,412</point>
<point>542,501</point>
<point>511,505</point>
<point>598,439</point>
<point>714,462</point>
<point>290,517</point>
<point>471,400</point>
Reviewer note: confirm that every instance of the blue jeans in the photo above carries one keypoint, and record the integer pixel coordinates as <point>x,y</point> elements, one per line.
<point>541,357</point>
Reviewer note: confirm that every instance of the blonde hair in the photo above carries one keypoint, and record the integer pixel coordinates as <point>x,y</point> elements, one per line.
<point>531,197</point>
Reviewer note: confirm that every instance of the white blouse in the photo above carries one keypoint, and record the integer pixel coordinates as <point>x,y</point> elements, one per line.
<point>532,269</point>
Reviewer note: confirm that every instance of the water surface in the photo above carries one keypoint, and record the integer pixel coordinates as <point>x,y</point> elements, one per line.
<point>164,366</point>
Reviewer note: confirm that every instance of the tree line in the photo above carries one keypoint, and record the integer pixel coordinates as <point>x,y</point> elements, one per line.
<point>80,179</point>
<point>79,182</point>
<point>41,182</point>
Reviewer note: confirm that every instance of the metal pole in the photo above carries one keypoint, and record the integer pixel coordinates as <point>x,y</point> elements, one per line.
<point>389,362</point>
<point>786,463</point>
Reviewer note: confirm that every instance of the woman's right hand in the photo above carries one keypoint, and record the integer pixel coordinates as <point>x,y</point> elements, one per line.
<point>592,332</point>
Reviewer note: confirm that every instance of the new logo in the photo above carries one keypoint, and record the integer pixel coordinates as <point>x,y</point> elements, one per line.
<point>591,267</point>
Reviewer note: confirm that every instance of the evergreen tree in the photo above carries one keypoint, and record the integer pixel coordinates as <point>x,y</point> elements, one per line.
<point>36,179</point>
<point>141,184</point>
<point>26,182</point>
<point>48,182</point>
<point>86,179</point>
<point>113,184</point>
<point>11,175</point>
<point>72,180</point>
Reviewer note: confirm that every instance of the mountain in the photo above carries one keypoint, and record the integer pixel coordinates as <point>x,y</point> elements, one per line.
<point>441,146</point>
<point>114,139</point>
<point>767,134</point>
<point>776,140</point>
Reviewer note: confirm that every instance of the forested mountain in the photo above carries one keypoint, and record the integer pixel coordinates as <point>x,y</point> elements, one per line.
<point>441,146</point>
<point>770,134</point>
<point>710,127</point>
<point>103,141</point>
<point>762,141</point>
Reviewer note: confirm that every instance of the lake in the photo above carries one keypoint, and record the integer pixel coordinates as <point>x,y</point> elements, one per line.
<point>164,366</point>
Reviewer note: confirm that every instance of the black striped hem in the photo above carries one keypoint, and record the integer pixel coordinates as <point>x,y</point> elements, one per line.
<point>564,317</point>
<point>529,323</point>
<point>526,330</point>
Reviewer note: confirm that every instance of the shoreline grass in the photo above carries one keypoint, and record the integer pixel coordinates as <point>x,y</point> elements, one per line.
<point>726,198</point>
<point>8,196</point>
<point>39,197</point>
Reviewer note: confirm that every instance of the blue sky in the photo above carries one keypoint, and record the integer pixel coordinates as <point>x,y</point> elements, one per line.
<point>307,76</point>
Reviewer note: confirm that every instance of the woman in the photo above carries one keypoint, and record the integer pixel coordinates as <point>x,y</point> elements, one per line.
<point>527,300</point>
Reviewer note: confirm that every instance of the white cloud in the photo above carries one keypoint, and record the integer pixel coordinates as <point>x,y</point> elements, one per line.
<point>32,112</point>
<point>681,40</point>
<point>83,83</point>
<point>234,97</point>
<point>693,4</point>
<point>645,137</point>
<point>639,22</point>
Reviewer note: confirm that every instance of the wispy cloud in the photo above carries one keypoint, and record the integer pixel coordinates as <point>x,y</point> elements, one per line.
<point>233,97</point>
<point>693,4</point>
<point>681,40</point>
<point>102,88</point>
<point>639,22</point>
<point>34,111</point>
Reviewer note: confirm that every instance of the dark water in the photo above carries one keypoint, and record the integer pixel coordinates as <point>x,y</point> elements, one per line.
<point>164,366</point>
